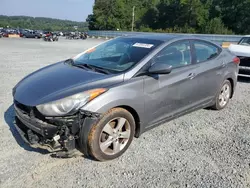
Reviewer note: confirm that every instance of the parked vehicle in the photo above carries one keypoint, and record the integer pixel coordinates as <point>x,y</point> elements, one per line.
<point>50,37</point>
<point>84,35</point>
<point>46,33</point>
<point>22,31</point>
<point>1,33</point>
<point>40,32</point>
<point>76,35</point>
<point>5,34</point>
<point>242,50</point>
<point>71,35</point>
<point>58,33</point>
<point>9,31</point>
<point>102,98</point>
<point>31,34</point>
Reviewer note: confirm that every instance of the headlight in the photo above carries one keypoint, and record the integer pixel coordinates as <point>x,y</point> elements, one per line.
<point>69,104</point>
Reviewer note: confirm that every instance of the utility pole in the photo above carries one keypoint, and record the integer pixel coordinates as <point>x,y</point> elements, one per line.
<point>133,18</point>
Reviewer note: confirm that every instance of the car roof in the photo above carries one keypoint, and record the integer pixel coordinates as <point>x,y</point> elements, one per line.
<point>168,37</point>
<point>161,37</point>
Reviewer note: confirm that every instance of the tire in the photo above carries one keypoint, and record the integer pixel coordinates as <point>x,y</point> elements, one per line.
<point>219,105</point>
<point>117,141</point>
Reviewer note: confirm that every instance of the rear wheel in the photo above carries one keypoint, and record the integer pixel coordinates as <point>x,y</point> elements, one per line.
<point>223,96</point>
<point>112,135</point>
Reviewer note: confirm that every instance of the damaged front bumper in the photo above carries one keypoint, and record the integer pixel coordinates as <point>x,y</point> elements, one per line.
<point>53,133</point>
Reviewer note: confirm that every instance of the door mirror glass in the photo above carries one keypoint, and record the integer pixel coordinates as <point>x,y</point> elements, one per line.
<point>160,68</point>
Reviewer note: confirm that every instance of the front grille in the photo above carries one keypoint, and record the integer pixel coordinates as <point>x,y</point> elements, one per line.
<point>245,61</point>
<point>23,108</point>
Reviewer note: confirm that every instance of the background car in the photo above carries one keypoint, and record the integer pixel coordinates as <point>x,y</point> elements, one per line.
<point>32,34</point>
<point>1,33</point>
<point>242,50</point>
<point>51,37</point>
<point>104,97</point>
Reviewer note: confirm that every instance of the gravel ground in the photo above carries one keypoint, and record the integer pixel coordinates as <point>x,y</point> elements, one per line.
<point>203,149</point>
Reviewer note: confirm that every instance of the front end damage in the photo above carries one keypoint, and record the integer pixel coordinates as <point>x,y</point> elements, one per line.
<point>58,135</point>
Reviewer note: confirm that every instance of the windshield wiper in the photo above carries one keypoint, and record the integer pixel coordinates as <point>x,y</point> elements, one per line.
<point>92,67</point>
<point>98,69</point>
<point>72,63</point>
<point>88,66</point>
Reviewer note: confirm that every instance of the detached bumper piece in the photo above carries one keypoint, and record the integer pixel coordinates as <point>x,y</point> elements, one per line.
<point>55,134</point>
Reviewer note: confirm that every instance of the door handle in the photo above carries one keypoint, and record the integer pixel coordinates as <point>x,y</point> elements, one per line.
<point>223,64</point>
<point>191,75</point>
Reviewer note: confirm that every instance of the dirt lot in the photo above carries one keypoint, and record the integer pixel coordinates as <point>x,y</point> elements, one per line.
<point>203,149</point>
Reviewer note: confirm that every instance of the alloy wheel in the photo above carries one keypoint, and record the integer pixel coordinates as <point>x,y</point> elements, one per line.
<point>224,95</point>
<point>114,136</point>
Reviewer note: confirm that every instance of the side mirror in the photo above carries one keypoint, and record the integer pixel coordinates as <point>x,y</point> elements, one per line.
<point>160,68</point>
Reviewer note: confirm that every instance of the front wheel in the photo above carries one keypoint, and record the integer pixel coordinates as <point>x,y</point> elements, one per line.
<point>223,96</point>
<point>112,135</point>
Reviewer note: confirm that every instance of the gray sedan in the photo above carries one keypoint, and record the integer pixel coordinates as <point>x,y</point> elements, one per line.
<point>98,101</point>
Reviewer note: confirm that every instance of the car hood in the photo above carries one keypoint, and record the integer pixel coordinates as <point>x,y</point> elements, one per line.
<point>58,81</point>
<point>240,50</point>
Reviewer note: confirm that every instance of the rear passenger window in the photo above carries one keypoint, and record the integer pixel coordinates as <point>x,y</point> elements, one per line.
<point>205,51</point>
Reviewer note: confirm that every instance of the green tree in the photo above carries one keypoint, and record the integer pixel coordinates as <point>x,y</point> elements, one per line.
<point>235,14</point>
<point>215,26</point>
<point>192,16</point>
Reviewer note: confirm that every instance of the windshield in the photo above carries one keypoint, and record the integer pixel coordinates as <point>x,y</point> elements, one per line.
<point>118,54</point>
<point>245,41</point>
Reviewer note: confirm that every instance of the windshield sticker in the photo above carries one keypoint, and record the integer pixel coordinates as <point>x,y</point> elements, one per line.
<point>143,45</point>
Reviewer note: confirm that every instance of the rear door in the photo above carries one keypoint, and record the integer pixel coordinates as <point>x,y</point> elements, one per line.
<point>211,65</point>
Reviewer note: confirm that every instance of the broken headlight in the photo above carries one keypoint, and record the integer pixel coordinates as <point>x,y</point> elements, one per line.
<point>69,104</point>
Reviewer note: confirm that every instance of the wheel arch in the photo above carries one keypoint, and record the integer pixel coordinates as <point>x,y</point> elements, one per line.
<point>232,85</point>
<point>133,112</point>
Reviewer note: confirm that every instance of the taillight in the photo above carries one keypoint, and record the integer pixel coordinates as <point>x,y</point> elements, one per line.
<point>236,60</point>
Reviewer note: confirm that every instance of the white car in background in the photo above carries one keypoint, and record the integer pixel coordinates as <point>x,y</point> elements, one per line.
<point>242,50</point>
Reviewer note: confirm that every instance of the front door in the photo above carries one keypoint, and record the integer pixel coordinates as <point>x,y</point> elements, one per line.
<point>169,94</point>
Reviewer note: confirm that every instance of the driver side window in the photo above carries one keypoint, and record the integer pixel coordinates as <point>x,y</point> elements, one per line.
<point>177,54</point>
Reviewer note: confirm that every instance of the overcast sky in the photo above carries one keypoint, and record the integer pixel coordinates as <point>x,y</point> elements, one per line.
<point>76,10</point>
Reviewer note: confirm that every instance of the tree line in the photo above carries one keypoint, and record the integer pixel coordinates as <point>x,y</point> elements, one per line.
<point>178,16</point>
<point>40,23</point>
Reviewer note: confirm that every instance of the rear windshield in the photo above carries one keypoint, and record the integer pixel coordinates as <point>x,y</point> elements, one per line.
<point>118,54</point>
